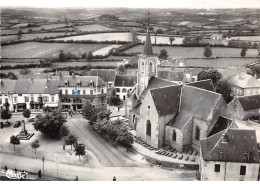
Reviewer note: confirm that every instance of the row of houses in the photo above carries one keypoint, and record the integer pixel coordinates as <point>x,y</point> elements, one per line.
<point>65,92</point>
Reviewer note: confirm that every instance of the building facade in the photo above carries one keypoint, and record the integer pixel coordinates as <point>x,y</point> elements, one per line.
<point>123,85</point>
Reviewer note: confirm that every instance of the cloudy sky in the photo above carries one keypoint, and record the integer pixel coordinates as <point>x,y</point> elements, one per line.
<point>133,3</point>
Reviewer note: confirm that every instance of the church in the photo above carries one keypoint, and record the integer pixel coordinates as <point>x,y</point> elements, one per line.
<point>165,113</point>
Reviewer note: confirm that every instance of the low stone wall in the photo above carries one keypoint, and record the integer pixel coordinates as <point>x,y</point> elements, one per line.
<point>172,164</point>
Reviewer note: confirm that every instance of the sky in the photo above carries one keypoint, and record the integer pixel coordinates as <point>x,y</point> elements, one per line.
<point>132,3</point>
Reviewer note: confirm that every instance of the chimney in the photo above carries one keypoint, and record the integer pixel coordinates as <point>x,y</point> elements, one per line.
<point>224,138</point>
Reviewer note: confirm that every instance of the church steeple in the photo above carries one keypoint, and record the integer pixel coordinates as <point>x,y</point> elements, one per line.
<point>148,50</point>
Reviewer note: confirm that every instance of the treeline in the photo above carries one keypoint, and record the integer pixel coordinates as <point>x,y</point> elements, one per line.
<point>74,68</point>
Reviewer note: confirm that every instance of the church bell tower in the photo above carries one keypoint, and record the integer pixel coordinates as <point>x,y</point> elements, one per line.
<point>147,65</point>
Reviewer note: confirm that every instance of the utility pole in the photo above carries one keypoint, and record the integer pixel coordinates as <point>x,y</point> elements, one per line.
<point>43,165</point>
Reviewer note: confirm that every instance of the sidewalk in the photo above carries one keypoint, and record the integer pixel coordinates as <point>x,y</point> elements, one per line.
<point>69,172</point>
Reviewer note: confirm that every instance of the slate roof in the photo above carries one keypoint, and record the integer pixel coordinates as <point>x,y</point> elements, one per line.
<point>148,50</point>
<point>170,75</point>
<point>85,81</point>
<point>36,86</point>
<point>7,86</point>
<point>166,99</point>
<point>105,75</point>
<point>249,102</point>
<point>125,80</point>
<point>244,80</point>
<point>195,102</point>
<point>203,84</point>
<point>241,147</point>
<point>221,124</point>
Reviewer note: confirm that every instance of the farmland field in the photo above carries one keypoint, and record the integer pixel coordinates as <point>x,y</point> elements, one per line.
<point>12,62</point>
<point>46,50</point>
<point>220,62</point>
<point>94,27</point>
<point>9,31</point>
<point>101,37</point>
<point>162,39</point>
<point>16,71</point>
<point>196,52</point>
<point>105,50</point>
<point>73,64</point>
<point>47,26</point>
<point>246,38</point>
<point>30,36</point>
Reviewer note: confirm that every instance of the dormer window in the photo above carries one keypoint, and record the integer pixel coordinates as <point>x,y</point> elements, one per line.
<point>91,83</point>
<point>78,83</point>
<point>66,83</point>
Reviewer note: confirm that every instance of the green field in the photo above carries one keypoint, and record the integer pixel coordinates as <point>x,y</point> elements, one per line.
<point>47,50</point>
<point>73,64</point>
<point>94,27</point>
<point>101,37</point>
<point>30,36</point>
<point>196,52</point>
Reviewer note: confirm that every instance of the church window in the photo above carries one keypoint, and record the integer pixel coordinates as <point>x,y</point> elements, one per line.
<point>148,128</point>
<point>150,67</point>
<point>197,135</point>
<point>142,67</point>
<point>174,135</point>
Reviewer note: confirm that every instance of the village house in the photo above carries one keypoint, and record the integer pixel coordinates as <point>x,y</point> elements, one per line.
<point>6,96</point>
<point>164,113</point>
<point>35,94</point>
<point>245,107</point>
<point>245,85</point>
<point>75,90</point>
<point>107,75</point>
<point>230,155</point>
<point>123,85</point>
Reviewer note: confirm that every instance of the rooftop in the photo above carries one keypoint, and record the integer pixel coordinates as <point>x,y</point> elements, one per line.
<point>244,80</point>
<point>125,80</point>
<point>249,102</point>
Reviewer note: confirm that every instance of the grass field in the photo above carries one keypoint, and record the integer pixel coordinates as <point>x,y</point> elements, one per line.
<point>220,62</point>
<point>47,26</point>
<point>30,36</point>
<point>13,62</point>
<point>101,37</point>
<point>162,39</point>
<point>46,50</point>
<point>196,52</point>
<point>94,27</point>
<point>246,38</point>
<point>16,71</point>
<point>73,64</point>
<point>9,31</point>
<point>105,50</point>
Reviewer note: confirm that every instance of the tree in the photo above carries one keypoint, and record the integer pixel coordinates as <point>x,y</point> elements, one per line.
<point>171,39</point>
<point>115,100</point>
<point>163,54</point>
<point>24,71</point>
<point>224,87</point>
<point>64,131</point>
<point>26,113</point>
<point>6,114</point>
<point>71,140</point>
<point>243,52</point>
<point>83,56</point>
<point>125,138</point>
<point>50,123</point>
<point>80,150</point>
<point>89,112</point>
<point>90,56</point>
<point>35,144</point>
<point>14,140</point>
<point>207,52</point>
<point>19,35</point>
<point>255,71</point>
<point>214,75</point>
<point>62,56</point>
<point>159,31</point>
<point>11,75</point>
<point>121,68</point>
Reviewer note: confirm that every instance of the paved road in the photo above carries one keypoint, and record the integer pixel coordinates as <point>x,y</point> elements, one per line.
<point>100,174</point>
<point>107,154</point>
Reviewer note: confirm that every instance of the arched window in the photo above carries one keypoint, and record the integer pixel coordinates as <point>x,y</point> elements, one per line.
<point>148,128</point>
<point>197,133</point>
<point>133,118</point>
<point>142,67</point>
<point>150,67</point>
<point>174,135</point>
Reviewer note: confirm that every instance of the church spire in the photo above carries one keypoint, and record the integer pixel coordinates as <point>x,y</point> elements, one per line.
<point>148,50</point>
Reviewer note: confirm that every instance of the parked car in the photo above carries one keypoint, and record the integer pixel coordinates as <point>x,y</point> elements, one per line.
<point>17,124</point>
<point>7,124</point>
<point>32,119</point>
